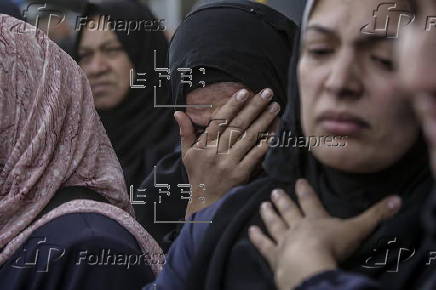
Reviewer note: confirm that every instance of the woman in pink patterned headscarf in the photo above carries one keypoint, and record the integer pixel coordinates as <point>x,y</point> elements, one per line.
<point>65,217</point>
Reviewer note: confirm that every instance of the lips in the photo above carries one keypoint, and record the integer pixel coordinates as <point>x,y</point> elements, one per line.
<point>342,123</point>
<point>99,88</point>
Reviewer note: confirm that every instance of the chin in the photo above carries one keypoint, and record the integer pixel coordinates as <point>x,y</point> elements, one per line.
<point>106,102</point>
<point>346,159</point>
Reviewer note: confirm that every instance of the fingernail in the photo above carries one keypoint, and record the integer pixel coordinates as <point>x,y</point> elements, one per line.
<point>274,107</point>
<point>301,189</point>
<point>394,202</point>
<point>265,205</point>
<point>242,95</point>
<point>266,94</point>
<point>276,193</point>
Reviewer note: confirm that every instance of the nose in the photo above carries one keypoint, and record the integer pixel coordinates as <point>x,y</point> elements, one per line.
<point>97,66</point>
<point>343,80</point>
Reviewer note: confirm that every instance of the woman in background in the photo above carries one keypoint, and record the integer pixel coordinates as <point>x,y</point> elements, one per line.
<point>139,132</point>
<point>63,200</point>
<point>234,61</point>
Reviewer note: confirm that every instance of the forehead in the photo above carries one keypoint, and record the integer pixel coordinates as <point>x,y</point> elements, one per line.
<point>95,37</point>
<point>351,17</point>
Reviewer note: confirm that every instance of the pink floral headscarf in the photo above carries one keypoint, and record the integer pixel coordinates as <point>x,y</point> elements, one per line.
<point>50,138</point>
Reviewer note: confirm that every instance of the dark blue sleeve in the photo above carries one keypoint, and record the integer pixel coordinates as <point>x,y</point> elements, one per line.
<point>170,171</point>
<point>77,251</point>
<point>180,256</point>
<point>338,280</point>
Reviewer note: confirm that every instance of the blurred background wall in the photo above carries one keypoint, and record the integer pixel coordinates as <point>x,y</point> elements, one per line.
<point>172,11</point>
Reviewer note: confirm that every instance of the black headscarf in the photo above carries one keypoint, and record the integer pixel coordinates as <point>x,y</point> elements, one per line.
<point>236,41</point>
<point>9,8</point>
<point>291,9</point>
<point>140,133</point>
<point>227,260</point>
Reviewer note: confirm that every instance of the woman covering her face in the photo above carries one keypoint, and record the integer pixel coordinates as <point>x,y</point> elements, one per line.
<point>345,79</point>
<point>115,48</point>
<point>233,59</point>
<point>63,197</point>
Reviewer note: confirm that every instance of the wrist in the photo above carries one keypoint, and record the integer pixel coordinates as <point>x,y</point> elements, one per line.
<point>289,279</point>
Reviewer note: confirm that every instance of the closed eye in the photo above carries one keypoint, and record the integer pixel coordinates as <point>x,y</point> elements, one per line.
<point>387,64</point>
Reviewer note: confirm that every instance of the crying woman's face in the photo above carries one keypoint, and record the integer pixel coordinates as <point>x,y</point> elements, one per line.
<point>348,79</point>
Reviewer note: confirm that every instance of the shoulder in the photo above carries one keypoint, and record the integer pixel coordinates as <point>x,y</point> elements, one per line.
<point>85,249</point>
<point>76,228</point>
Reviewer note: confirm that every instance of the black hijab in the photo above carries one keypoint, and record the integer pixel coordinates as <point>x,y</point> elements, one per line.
<point>252,46</point>
<point>140,132</point>
<point>235,41</point>
<point>227,260</point>
<point>9,8</point>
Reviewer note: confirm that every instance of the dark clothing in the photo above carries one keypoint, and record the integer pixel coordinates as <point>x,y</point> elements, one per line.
<point>182,252</point>
<point>9,8</point>
<point>169,171</point>
<point>242,42</point>
<point>335,280</point>
<point>422,277</point>
<point>76,251</point>
<point>140,133</point>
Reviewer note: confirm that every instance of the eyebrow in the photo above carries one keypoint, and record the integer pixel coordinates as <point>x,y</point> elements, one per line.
<point>362,40</point>
<point>321,29</point>
<point>107,42</point>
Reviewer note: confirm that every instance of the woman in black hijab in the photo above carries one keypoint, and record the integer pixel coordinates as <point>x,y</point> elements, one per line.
<point>336,71</point>
<point>255,58</point>
<point>415,51</point>
<point>140,132</point>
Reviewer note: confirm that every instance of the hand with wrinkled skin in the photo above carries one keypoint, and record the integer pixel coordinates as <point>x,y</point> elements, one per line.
<point>227,153</point>
<point>306,239</point>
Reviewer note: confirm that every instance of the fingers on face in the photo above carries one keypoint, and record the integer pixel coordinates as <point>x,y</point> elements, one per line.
<point>309,201</point>
<point>254,107</point>
<point>187,134</point>
<point>222,118</point>
<point>257,130</point>
<point>254,157</point>
<point>264,244</point>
